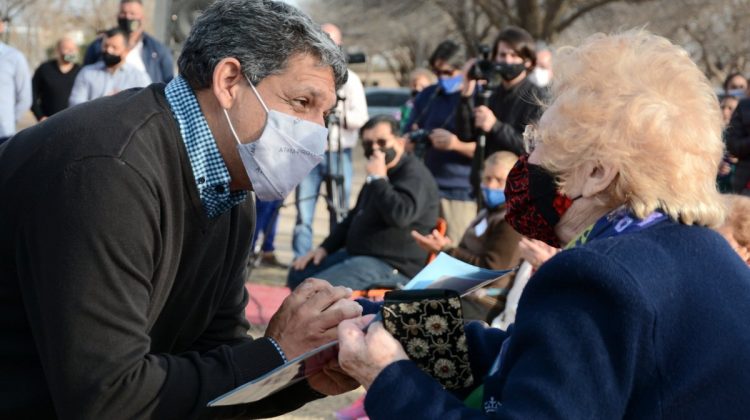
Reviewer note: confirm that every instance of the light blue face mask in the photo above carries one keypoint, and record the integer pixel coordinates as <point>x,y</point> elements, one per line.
<point>493,197</point>
<point>451,84</point>
<point>737,93</point>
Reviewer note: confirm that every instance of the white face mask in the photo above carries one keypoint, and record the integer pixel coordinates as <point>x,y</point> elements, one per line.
<point>287,150</point>
<point>541,77</point>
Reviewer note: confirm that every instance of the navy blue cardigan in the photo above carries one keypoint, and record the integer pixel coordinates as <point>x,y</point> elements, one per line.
<point>652,324</point>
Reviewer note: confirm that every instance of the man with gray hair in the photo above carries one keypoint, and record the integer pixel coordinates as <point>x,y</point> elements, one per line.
<point>123,240</point>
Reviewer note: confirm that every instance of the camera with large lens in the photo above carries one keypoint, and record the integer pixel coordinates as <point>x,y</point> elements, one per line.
<point>486,69</point>
<point>420,140</point>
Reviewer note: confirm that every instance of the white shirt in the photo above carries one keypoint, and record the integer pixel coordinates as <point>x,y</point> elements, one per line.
<point>135,58</point>
<point>352,112</point>
<point>15,88</point>
<point>95,81</point>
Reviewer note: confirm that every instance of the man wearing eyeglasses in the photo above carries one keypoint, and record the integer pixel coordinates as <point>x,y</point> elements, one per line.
<point>372,245</point>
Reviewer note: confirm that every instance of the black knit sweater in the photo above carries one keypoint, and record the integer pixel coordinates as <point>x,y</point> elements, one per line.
<point>119,298</point>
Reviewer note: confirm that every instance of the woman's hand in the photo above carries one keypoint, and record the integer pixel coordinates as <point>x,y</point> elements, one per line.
<point>535,252</point>
<point>364,355</point>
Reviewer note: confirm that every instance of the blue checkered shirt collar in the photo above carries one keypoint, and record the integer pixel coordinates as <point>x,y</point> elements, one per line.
<point>209,170</point>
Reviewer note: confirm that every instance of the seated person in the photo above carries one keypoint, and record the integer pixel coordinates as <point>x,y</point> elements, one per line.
<point>736,227</point>
<point>488,242</point>
<point>371,246</point>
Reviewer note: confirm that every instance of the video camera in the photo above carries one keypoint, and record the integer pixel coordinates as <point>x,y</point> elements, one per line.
<point>355,58</point>
<point>420,140</point>
<point>486,69</point>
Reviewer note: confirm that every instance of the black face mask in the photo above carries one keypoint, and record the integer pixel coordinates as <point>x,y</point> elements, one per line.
<point>128,25</point>
<point>111,60</point>
<point>390,153</point>
<point>510,71</point>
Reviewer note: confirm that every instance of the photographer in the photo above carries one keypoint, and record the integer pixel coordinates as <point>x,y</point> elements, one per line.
<point>431,127</point>
<point>513,102</point>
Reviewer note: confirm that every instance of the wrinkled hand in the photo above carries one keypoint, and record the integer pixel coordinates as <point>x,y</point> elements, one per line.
<point>362,355</point>
<point>443,139</point>
<point>329,378</point>
<point>376,164</point>
<point>434,242</point>
<point>535,252</point>
<point>309,316</point>
<point>317,255</point>
<point>484,118</point>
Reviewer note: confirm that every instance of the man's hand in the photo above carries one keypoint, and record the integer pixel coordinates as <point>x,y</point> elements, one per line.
<point>376,164</point>
<point>317,255</point>
<point>434,242</point>
<point>309,316</point>
<point>484,118</point>
<point>362,355</point>
<point>443,139</point>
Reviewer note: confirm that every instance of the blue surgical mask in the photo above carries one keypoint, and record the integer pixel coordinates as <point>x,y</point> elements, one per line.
<point>451,84</point>
<point>737,93</point>
<point>493,197</point>
<point>287,150</point>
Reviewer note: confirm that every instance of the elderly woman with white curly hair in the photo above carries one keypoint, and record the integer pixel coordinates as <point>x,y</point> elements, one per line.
<point>625,322</point>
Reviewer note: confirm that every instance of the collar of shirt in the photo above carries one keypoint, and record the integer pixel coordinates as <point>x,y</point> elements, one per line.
<point>209,170</point>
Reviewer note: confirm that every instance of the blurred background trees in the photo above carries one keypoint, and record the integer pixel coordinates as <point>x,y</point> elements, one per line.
<point>398,35</point>
<point>402,34</point>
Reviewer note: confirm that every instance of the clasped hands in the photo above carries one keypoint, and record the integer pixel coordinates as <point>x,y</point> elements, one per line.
<point>317,313</point>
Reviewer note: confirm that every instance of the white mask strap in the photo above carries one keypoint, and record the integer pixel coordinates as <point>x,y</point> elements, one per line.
<point>231,127</point>
<point>257,94</point>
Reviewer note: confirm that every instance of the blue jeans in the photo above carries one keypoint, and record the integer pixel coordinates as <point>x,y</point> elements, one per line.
<point>307,195</point>
<point>266,220</point>
<point>357,272</point>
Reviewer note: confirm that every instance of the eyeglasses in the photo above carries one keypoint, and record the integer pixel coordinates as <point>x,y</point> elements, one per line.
<point>530,137</point>
<point>380,142</point>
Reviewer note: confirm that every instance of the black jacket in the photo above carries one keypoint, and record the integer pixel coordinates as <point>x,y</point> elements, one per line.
<point>119,298</point>
<point>387,211</point>
<point>738,144</point>
<point>514,108</point>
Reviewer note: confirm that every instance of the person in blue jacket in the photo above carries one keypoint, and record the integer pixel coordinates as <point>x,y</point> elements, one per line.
<point>146,52</point>
<point>644,314</point>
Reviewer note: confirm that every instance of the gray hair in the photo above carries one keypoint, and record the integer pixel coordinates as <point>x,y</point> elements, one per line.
<point>261,34</point>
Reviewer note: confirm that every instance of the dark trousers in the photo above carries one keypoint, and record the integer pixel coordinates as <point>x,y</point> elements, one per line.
<point>267,218</point>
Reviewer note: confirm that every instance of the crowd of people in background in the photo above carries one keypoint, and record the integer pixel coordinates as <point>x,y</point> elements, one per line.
<point>475,136</point>
<point>461,112</point>
<point>120,58</point>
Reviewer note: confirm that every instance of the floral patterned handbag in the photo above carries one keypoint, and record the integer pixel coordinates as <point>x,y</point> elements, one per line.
<point>429,324</point>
